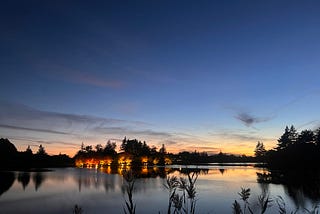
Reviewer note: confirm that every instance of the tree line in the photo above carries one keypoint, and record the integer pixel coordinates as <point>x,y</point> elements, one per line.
<point>137,150</point>
<point>11,158</point>
<point>294,149</point>
<point>132,151</point>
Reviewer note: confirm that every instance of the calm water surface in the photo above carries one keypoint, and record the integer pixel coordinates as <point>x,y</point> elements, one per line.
<point>99,191</point>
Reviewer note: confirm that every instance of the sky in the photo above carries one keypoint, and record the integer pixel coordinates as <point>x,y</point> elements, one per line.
<point>193,75</point>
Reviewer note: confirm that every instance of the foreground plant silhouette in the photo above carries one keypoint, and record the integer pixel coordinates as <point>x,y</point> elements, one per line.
<point>182,194</point>
<point>130,207</point>
<point>77,209</point>
<point>264,201</point>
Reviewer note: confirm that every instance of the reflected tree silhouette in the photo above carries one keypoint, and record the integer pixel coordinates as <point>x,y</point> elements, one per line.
<point>38,178</point>
<point>187,171</point>
<point>222,171</point>
<point>299,185</point>
<point>24,179</point>
<point>6,181</point>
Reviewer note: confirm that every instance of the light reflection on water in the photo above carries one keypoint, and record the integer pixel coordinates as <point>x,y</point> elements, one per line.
<point>102,191</point>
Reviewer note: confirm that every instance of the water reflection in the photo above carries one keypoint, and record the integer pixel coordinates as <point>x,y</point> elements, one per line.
<point>38,178</point>
<point>302,186</point>
<point>217,187</point>
<point>222,170</point>
<point>187,171</point>
<point>24,179</point>
<point>6,181</point>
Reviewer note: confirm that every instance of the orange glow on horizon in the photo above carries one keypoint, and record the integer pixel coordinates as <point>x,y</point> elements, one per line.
<point>227,147</point>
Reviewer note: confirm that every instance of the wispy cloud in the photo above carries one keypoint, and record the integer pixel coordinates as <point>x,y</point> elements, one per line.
<point>32,129</point>
<point>239,135</point>
<point>73,75</point>
<point>12,114</point>
<point>249,120</point>
<point>23,122</point>
<point>315,124</point>
<point>90,79</point>
<point>24,118</point>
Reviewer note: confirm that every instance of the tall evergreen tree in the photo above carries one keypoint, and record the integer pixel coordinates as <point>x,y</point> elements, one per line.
<point>260,151</point>
<point>110,148</point>
<point>99,148</point>
<point>41,150</point>
<point>293,134</point>
<point>288,138</point>
<point>306,136</point>
<point>317,137</point>
<point>163,150</point>
<point>28,150</point>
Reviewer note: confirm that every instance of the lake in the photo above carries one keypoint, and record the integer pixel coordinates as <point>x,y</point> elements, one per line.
<point>103,191</point>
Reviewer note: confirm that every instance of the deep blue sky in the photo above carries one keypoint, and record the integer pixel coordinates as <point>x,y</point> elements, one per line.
<point>204,75</point>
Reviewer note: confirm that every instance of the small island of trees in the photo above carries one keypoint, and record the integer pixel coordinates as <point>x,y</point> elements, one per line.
<point>133,153</point>
<point>136,153</point>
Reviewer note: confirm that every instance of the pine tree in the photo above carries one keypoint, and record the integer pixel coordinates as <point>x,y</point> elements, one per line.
<point>306,136</point>
<point>260,151</point>
<point>317,137</point>
<point>288,138</point>
<point>28,150</point>
<point>41,150</point>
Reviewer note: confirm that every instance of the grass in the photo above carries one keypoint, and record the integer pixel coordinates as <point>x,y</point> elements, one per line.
<point>182,194</point>
<point>130,207</point>
<point>182,198</point>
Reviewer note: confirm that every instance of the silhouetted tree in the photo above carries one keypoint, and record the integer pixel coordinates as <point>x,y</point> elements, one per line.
<point>134,147</point>
<point>260,151</point>
<point>306,136</point>
<point>145,148</point>
<point>99,148</point>
<point>88,149</point>
<point>153,150</point>
<point>41,150</point>
<point>7,148</point>
<point>163,150</point>
<point>296,150</point>
<point>28,150</point>
<point>110,148</point>
<point>288,138</point>
<point>317,137</point>
<point>82,148</point>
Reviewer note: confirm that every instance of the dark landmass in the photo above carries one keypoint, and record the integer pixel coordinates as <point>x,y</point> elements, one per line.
<point>11,159</point>
<point>137,153</point>
<point>133,153</point>
<point>295,150</point>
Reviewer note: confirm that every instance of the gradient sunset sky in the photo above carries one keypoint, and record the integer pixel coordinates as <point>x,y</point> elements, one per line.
<point>193,75</point>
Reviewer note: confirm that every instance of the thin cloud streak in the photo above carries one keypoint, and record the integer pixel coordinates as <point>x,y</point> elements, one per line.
<point>11,113</point>
<point>315,123</point>
<point>239,137</point>
<point>75,128</point>
<point>90,79</point>
<point>33,129</point>
<point>64,73</point>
